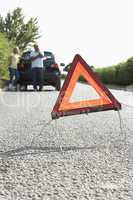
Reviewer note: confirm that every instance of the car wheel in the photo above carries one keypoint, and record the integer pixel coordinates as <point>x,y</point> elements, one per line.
<point>58,85</point>
<point>25,87</point>
<point>17,87</point>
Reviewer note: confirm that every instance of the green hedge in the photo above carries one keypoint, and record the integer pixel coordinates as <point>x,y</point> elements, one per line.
<point>5,50</point>
<point>121,74</point>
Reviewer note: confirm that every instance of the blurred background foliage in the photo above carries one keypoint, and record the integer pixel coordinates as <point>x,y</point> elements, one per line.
<point>15,31</point>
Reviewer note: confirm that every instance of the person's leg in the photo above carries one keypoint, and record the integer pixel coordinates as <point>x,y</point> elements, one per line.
<point>11,75</point>
<point>16,77</point>
<point>40,72</point>
<point>17,74</point>
<point>34,78</point>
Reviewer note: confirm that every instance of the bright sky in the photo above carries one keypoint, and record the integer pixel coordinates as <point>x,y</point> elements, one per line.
<point>100,30</point>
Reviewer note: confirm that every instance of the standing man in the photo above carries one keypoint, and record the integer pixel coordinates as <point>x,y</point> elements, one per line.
<point>37,68</point>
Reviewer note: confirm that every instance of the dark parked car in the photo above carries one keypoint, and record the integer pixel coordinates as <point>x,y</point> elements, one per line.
<point>51,72</point>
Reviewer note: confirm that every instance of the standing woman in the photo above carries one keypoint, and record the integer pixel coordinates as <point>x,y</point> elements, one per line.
<point>13,70</point>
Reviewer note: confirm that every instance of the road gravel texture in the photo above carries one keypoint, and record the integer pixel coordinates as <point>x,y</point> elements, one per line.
<point>83,157</point>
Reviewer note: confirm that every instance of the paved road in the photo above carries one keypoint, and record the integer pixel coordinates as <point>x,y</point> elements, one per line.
<point>80,157</point>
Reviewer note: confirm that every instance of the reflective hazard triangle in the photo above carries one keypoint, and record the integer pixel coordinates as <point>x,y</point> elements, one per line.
<point>64,107</point>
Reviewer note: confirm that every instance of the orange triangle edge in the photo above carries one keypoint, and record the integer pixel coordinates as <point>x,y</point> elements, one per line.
<point>64,108</point>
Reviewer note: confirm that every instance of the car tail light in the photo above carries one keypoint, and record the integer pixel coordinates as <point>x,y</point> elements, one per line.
<point>55,65</point>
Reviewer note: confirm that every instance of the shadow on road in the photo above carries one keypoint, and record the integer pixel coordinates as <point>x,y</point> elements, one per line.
<point>29,90</point>
<point>33,150</point>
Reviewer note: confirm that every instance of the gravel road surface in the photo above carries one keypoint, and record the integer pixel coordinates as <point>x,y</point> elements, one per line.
<point>83,157</point>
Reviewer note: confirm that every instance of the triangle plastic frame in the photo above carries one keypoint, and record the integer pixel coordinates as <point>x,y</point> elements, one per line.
<point>64,108</point>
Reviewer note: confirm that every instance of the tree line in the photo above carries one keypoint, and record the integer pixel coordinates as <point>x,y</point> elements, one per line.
<point>16,31</point>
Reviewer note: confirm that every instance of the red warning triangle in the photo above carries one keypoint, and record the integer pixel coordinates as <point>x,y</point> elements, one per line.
<point>64,107</point>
